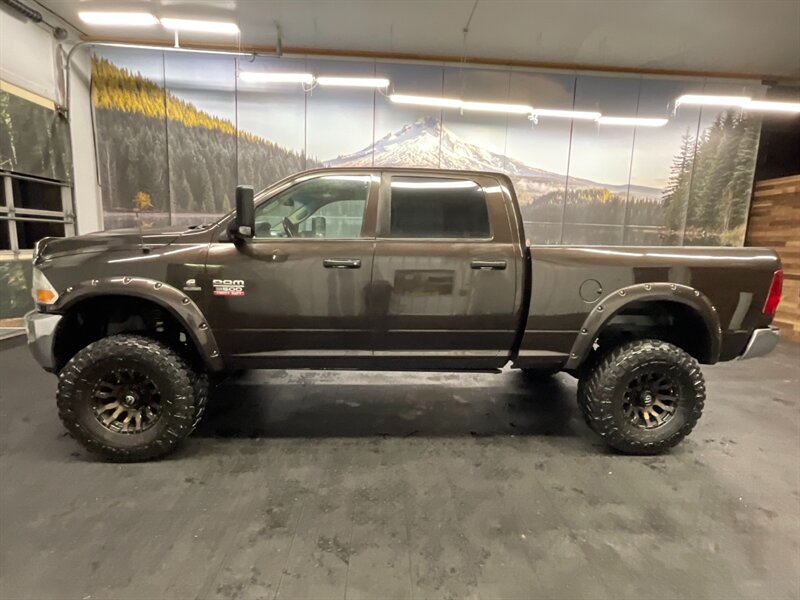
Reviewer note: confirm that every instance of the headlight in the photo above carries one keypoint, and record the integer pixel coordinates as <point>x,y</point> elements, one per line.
<point>42,290</point>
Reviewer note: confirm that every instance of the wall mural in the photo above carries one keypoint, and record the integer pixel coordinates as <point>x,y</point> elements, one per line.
<point>176,132</point>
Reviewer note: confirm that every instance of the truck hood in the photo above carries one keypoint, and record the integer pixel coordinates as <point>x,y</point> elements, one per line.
<point>116,239</point>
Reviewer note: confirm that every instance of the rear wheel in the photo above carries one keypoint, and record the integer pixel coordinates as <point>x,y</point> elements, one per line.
<point>643,397</point>
<point>130,398</point>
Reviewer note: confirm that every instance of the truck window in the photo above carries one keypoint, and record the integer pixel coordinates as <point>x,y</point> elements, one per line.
<point>330,207</point>
<point>430,207</point>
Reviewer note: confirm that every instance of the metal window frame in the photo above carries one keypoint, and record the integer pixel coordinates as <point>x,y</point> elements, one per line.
<point>10,214</point>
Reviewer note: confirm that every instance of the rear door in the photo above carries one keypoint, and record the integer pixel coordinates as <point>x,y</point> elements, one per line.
<point>297,293</point>
<point>446,277</point>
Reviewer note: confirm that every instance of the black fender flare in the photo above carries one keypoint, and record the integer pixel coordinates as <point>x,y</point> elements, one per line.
<point>613,303</point>
<point>178,304</point>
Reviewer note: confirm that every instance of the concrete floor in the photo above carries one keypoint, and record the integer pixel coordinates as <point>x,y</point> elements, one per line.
<point>353,485</point>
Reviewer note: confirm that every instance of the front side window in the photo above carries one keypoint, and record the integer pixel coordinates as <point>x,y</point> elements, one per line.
<point>430,207</point>
<point>330,207</point>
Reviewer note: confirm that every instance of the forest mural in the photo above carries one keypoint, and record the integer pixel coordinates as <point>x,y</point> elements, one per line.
<point>175,134</point>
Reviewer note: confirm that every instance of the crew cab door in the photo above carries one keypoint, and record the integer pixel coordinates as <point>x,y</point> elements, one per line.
<point>297,292</point>
<point>446,279</point>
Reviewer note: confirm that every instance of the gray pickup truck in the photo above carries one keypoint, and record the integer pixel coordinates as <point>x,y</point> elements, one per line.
<point>385,269</point>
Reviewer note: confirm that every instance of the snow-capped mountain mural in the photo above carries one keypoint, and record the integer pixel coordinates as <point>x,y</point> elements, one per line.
<point>426,143</point>
<point>175,135</point>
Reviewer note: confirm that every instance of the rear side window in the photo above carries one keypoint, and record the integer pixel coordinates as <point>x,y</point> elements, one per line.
<point>431,207</point>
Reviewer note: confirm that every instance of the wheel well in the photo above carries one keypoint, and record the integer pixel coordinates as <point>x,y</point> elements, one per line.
<point>101,316</point>
<point>672,322</point>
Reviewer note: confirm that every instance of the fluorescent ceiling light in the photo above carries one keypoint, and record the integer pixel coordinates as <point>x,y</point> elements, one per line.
<point>770,106</point>
<point>426,101</point>
<point>130,19</point>
<point>202,26</point>
<point>635,121</point>
<point>566,114</point>
<point>370,82</point>
<point>703,100</point>
<point>264,77</point>
<point>520,109</point>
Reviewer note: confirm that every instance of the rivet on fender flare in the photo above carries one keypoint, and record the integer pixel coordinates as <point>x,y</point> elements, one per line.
<point>185,301</point>
<point>696,293</point>
<point>600,308</point>
<point>673,287</point>
<point>622,292</point>
<point>573,355</point>
<point>584,330</point>
<point>203,326</point>
<point>158,285</point>
<point>647,286</point>
<point>95,281</point>
<point>214,354</point>
<point>126,280</point>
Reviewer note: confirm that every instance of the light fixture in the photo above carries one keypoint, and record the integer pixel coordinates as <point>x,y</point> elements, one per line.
<point>426,101</point>
<point>703,100</point>
<point>368,82</point>
<point>266,77</point>
<point>130,19</point>
<point>771,106</point>
<point>566,114</point>
<point>635,121</point>
<point>201,26</point>
<point>518,109</point>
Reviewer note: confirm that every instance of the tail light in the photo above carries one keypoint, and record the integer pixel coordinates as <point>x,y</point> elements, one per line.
<point>774,295</point>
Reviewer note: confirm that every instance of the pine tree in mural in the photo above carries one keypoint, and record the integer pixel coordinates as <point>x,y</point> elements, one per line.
<point>676,194</point>
<point>183,158</point>
<point>709,185</point>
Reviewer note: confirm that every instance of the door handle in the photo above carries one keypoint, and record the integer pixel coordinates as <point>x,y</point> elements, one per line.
<point>487,265</point>
<point>342,263</point>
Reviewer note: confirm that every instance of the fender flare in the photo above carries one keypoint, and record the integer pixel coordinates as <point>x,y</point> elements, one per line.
<point>178,304</point>
<point>613,303</point>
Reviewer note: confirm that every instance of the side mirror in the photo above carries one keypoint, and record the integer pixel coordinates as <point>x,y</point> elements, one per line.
<point>244,223</point>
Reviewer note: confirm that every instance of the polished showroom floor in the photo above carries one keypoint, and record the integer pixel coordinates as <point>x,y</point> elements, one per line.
<point>374,485</point>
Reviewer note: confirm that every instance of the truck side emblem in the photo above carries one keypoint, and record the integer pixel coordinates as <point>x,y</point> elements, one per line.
<point>228,287</point>
<point>191,286</point>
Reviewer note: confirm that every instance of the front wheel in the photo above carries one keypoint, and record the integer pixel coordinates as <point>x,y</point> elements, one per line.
<point>130,398</point>
<point>643,397</point>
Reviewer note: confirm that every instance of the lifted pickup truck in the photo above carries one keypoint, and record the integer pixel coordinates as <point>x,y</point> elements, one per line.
<point>390,269</point>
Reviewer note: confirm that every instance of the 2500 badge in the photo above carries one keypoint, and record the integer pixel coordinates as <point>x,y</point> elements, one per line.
<point>228,287</point>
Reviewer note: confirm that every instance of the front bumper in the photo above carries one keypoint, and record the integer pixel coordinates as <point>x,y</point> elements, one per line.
<point>762,341</point>
<point>41,329</point>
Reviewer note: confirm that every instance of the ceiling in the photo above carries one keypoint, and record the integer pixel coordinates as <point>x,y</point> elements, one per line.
<point>756,37</point>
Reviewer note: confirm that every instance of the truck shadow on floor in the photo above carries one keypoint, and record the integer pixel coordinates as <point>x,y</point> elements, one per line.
<point>316,404</point>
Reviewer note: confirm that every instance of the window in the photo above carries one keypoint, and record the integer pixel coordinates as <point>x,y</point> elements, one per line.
<point>428,207</point>
<point>330,207</point>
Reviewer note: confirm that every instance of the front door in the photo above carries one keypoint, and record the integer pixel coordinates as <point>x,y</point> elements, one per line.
<point>298,291</point>
<point>445,281</point>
